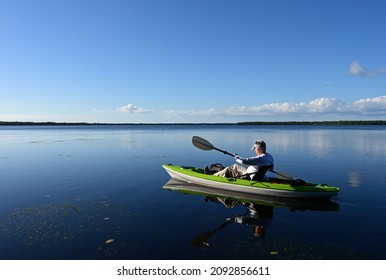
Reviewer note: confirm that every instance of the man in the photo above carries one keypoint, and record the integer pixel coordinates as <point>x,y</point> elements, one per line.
<point>257,165</point>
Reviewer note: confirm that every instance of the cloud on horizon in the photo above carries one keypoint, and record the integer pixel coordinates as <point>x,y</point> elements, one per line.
<point>317,107</point>
<point>99,111</point>
<point>358,70</point>
<point>131,109</point>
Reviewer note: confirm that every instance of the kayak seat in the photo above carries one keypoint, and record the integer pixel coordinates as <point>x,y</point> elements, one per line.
<point>259,175</point>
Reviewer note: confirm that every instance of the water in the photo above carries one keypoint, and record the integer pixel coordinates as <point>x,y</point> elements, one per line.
<point>96,192</point>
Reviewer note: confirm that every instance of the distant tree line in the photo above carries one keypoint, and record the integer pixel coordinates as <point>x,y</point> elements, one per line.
<point>367,122</point>
<point>41,123</point>
<point>340,122</point>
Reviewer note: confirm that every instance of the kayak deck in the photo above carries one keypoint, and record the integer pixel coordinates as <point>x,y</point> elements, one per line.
<point>274,186</point>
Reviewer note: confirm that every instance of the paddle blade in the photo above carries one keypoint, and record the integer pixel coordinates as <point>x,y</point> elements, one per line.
<point>201,143</point>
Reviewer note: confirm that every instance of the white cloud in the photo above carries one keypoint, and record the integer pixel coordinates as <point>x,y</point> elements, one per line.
<point>358,70</point>
<point>327,105</point>
<point>99,111</point>
<point>131,109</point>
<point>366,106</point>
<point>370,105</point>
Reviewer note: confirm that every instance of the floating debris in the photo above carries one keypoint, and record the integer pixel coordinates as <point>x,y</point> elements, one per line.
<point>54,230</point>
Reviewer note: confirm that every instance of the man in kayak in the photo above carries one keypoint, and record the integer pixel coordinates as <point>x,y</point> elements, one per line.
<point>257,165</point>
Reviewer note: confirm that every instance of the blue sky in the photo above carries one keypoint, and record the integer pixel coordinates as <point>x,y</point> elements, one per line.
<point>155,61</point>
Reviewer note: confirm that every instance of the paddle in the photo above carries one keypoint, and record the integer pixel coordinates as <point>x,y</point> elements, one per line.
<point>205,145</point>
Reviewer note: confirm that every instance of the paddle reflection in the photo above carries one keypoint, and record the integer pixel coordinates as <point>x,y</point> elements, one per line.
<point>259,209</point>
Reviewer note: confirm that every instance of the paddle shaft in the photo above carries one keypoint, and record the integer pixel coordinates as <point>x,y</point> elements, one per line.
<point>225,152</point>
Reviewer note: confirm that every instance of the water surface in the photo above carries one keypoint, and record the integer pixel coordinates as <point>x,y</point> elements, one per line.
<point>97,192</point>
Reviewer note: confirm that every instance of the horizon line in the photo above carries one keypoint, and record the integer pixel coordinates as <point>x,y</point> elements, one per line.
<point>337,122</point>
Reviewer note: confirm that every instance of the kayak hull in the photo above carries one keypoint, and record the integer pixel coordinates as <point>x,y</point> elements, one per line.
<point>245,198</point>
<point>273,187</point>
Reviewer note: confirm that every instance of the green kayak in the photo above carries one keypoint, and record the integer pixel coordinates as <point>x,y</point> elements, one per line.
<point>272,187</point>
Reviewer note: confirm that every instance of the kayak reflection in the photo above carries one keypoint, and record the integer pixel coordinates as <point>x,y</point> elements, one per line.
<point>258,209</point>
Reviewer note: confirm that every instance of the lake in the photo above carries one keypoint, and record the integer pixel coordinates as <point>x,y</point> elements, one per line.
<point>98,192</point>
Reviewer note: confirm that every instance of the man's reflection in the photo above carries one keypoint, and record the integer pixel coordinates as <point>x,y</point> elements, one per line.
<point>258,216</point>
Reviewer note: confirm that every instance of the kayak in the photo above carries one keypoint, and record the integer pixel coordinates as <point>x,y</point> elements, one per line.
<point>273,187</point>
<point>233,198</point>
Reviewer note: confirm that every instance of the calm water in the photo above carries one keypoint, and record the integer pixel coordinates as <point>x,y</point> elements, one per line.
<point>98,193</point>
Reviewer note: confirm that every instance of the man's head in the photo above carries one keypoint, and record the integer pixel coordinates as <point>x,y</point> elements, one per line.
<point>259,146</point>
<point>259,231</point>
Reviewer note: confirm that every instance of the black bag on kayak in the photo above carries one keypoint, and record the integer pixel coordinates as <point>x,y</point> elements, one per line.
<point>214,168</point>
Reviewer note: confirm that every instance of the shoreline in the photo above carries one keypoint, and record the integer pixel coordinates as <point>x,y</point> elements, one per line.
<point>262,123</point>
